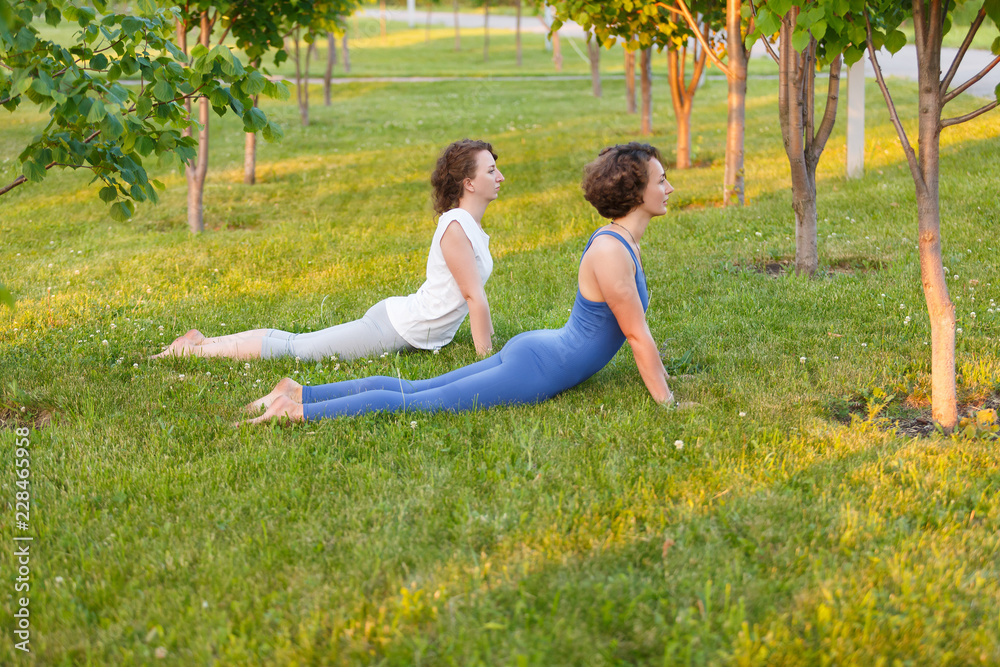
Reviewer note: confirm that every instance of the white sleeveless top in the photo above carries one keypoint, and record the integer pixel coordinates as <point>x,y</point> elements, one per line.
<point>429,318</point>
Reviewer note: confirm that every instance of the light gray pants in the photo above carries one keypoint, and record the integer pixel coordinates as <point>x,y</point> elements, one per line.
<point>370,336</point>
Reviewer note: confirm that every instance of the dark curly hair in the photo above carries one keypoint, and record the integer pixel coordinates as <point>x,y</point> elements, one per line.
<point>615,182</point>
<point>457,163</point>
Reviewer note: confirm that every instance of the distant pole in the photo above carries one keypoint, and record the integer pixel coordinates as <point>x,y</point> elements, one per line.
<point>856,120</point>
<point>411,12</point>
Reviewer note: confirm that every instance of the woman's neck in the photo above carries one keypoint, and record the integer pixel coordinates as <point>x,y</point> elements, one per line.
<point>635,222</point>
<point>475,207</point>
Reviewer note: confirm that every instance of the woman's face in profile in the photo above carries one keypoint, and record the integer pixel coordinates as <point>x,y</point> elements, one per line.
<point>658,190</point>
<point>488,177</point>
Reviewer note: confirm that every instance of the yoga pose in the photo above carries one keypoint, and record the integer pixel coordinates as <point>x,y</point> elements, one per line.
<point>465,180</point>
<point>626,184</point>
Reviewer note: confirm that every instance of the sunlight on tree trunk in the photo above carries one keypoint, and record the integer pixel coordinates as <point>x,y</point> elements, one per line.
<point>517,32</point>
<point>594,51</point>
<point>682,94</point>
<point>630,82</point>
<point>646,84</point>
<point>331,60</point>
<point>198,169</point>
<point>556,51</point>
<point>732,182</point>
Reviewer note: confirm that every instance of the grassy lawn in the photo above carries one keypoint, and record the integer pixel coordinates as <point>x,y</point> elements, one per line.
<point>764,526</point>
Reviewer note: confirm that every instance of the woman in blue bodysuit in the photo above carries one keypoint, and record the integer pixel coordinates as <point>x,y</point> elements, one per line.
<point>627,185</point>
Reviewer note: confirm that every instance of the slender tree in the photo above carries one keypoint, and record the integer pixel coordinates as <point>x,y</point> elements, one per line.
<point>594,52</point>
<point>809,36</point>
<point>630,81</point>
<point>881,20</point>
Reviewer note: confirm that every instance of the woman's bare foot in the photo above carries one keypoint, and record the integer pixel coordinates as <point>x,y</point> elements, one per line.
<point>282,408</point>
<point>181,347</point>
<point>286,387</point>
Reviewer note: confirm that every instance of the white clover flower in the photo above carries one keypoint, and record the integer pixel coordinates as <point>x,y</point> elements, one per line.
<point>802,360</point>
<point>864,344</point>
<point>104,342</point>
<point>114,326</point>
<point>758,234</point>
<point>246,366</point>
<point>59,580</point>
<point>336,367</point>
<point>679,444</point>
<point>743,414</point>
<point>413,425</point>
<point>972,315</point>
<point>135,365</point>
<point>836,358</point>
<point>181,376</point>
<point>958,330</point>
<point>902,306</point>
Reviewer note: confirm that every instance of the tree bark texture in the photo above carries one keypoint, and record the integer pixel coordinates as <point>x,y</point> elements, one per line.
<point>733,184</point>
<point>331,60</point>
<point>803,144</point>
<point>682,95</point>
<point>594,51</point>
<point>198,168</point>
<point>517,32</point>
<point>944,397</point>
<point>630,81</point>
<point>347,54</point>
<point>925,169</point>
<point>556,51</point>
<point>646,84</point>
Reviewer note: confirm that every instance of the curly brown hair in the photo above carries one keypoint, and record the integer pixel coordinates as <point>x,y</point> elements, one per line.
<point>615,182</point>
<point>457,163</point>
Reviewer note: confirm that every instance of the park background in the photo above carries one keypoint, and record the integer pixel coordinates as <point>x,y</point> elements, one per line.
<point>786,519</point>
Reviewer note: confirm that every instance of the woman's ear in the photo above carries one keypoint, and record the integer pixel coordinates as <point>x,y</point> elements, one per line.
<point>467,185</point>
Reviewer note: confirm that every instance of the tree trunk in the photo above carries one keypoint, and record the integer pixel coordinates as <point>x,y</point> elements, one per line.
<point>381,19</point>
<point>630,81</point>
<point>347,55</point>
<point>250,155</point>
<point>646,83</point>
<point>427,27</point>
<point>486,30</point>
<point>944,400</point>
<point>331,60</point>
<point>682,96</point>
<point>733,184</point>
<point>458,36</point>
<point>197,171</point>
<point>517,32</point>
<point>594,51</point>
<point>556,51</point>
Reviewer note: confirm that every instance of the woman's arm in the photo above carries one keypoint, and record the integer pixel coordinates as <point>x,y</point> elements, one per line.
<point>461,261</point>
<point>614,273</point>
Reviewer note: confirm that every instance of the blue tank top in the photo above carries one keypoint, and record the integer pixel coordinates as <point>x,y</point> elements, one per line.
<point>592,331</point>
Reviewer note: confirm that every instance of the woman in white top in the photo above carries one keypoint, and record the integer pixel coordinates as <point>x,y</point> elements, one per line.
<point>465,180</point>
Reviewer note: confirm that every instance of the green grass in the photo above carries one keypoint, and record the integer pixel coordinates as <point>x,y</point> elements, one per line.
<point>573,532</point>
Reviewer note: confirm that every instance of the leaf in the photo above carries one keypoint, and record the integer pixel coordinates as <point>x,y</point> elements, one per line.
<point>143,106</point>
<point>97,112</point>
<point>894,41</point>
<point>995,49</point>
<point>121,211</point>
<point>25,39</point>
<point>146,7</point>
<point>111,127</point>
<point>254,83</point>
<point>800,39</point>
<point>108,194</point>
<point>996,92</point>
<point>198,50</point>
<point>41,86</point>
<point>144,145</point>
<point>99,61</point>
<point>254,120</point>
<point>163,91</point>
<point>272,132</point>
<point>6,298</point>
<point>33,171</point>
<point>818,29</point>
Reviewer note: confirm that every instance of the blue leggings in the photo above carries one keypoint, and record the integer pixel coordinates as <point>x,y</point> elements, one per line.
<point>514,375</point>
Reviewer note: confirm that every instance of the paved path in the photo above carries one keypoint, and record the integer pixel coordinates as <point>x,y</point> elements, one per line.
<point>903,64</point>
